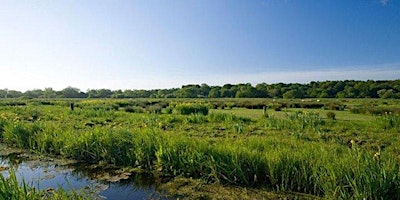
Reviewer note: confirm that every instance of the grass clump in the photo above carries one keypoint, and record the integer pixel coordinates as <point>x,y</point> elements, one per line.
<point>11,189</point>
<point>389,121</point>
<point>192,108</point>
<point>331,115</point>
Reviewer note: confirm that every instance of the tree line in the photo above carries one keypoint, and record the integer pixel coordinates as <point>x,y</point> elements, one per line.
<point>323,89</point>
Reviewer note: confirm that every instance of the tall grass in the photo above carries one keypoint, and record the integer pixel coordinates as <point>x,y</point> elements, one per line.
<point>272,159</point>
<point>11,189</point>
<point>298,121</point>
<point>389,121</point>
<point>192,108</point>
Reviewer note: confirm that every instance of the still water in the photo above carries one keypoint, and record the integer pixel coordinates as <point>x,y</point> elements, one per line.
<point>48,173</point>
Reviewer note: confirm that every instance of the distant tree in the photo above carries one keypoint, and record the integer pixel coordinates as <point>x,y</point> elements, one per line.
<point>247,91</point>
<point>188,91</point>
<point>386,94</point>
<point>341,94</point>
<point>363,89</point>
<point>71,92</point>
<point>104,93</point>
<point>324,89</point>
<point>293,94</point>
<point>204,90</point>
<point>91,93</point>
<point>141,93</point>
<point>36,93</point>
<point>128,93</point>
<point>3,93</point>
<point>228,91</point>
<point>339,86</point>
<point>166,93</point>
<point>49,93</point>
<point>215,92</point>
<point>14,94</point>
<point>262,90</point>
<point>117,94</point>
<point>350,92</point>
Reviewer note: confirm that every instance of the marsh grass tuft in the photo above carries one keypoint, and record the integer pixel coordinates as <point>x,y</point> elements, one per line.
<point>331,115</point>
<point>10,188</point>
<point>192,108</point>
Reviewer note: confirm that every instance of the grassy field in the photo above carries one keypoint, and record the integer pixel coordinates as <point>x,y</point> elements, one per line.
<point>329,148</point>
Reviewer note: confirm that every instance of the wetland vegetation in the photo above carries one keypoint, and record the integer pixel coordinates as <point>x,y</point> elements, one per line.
<point>328,148</point>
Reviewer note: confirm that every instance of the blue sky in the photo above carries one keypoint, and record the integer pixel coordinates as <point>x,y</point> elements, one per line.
<point>163,44</point>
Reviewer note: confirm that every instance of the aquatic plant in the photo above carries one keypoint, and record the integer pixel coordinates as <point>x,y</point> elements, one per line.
<point>11,189</point>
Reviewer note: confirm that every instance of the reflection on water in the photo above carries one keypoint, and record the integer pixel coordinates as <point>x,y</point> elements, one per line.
<point>45,173</point>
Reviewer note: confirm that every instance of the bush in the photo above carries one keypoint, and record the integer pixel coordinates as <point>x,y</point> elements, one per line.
<point>155,109</point>
<point>192,108</point>
<point>331,115</point>
<point>334,106</point>
<point>278,107</point>
<point>168,110</point>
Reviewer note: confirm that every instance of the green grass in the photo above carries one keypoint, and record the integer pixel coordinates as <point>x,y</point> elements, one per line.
<point>11,189</point>
<point>257,113</point>
<point>293,150</point>
<point>242,112</point>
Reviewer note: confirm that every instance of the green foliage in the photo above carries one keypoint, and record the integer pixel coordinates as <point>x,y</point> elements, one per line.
<point>21,134</point>
<point>298,121</point>
<point>3,123</point>
<point>192,108</point>
<point>277,107</point>
<point>389,121</point>
<point>289,151</point>
<point>134,109</point>
<point>374,110</point>
<point>325,89</point>
<point>11,189</point>
<point>331,115</point>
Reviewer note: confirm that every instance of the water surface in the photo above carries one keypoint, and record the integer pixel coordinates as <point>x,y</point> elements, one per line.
<point>49,173</point>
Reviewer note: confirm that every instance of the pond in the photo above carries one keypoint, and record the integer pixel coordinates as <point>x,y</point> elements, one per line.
<point>103,182</point>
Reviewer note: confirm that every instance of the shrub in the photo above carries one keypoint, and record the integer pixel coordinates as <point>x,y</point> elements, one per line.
<point>168,110</point>
<point>334,106</point>
<point>278,107</point>
<point>331,115</point>
<point>357,110</point>
<point>155,109</point>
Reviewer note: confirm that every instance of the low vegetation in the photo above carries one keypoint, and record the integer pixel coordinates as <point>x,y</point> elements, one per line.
<point>291,149</point>
<point>10,188</point>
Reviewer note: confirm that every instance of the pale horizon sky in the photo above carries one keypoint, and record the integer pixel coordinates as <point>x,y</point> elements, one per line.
<point>166,44</point>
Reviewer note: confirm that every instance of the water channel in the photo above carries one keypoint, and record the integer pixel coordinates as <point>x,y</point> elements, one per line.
<point>49,173</point>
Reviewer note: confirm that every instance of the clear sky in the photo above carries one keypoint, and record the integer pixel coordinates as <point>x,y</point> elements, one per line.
<point>146,44</point>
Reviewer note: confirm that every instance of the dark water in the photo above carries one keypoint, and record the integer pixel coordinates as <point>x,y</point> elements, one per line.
<point>51,173</point>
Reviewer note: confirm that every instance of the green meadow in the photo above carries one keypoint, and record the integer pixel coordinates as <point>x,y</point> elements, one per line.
<point>328,148</point>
